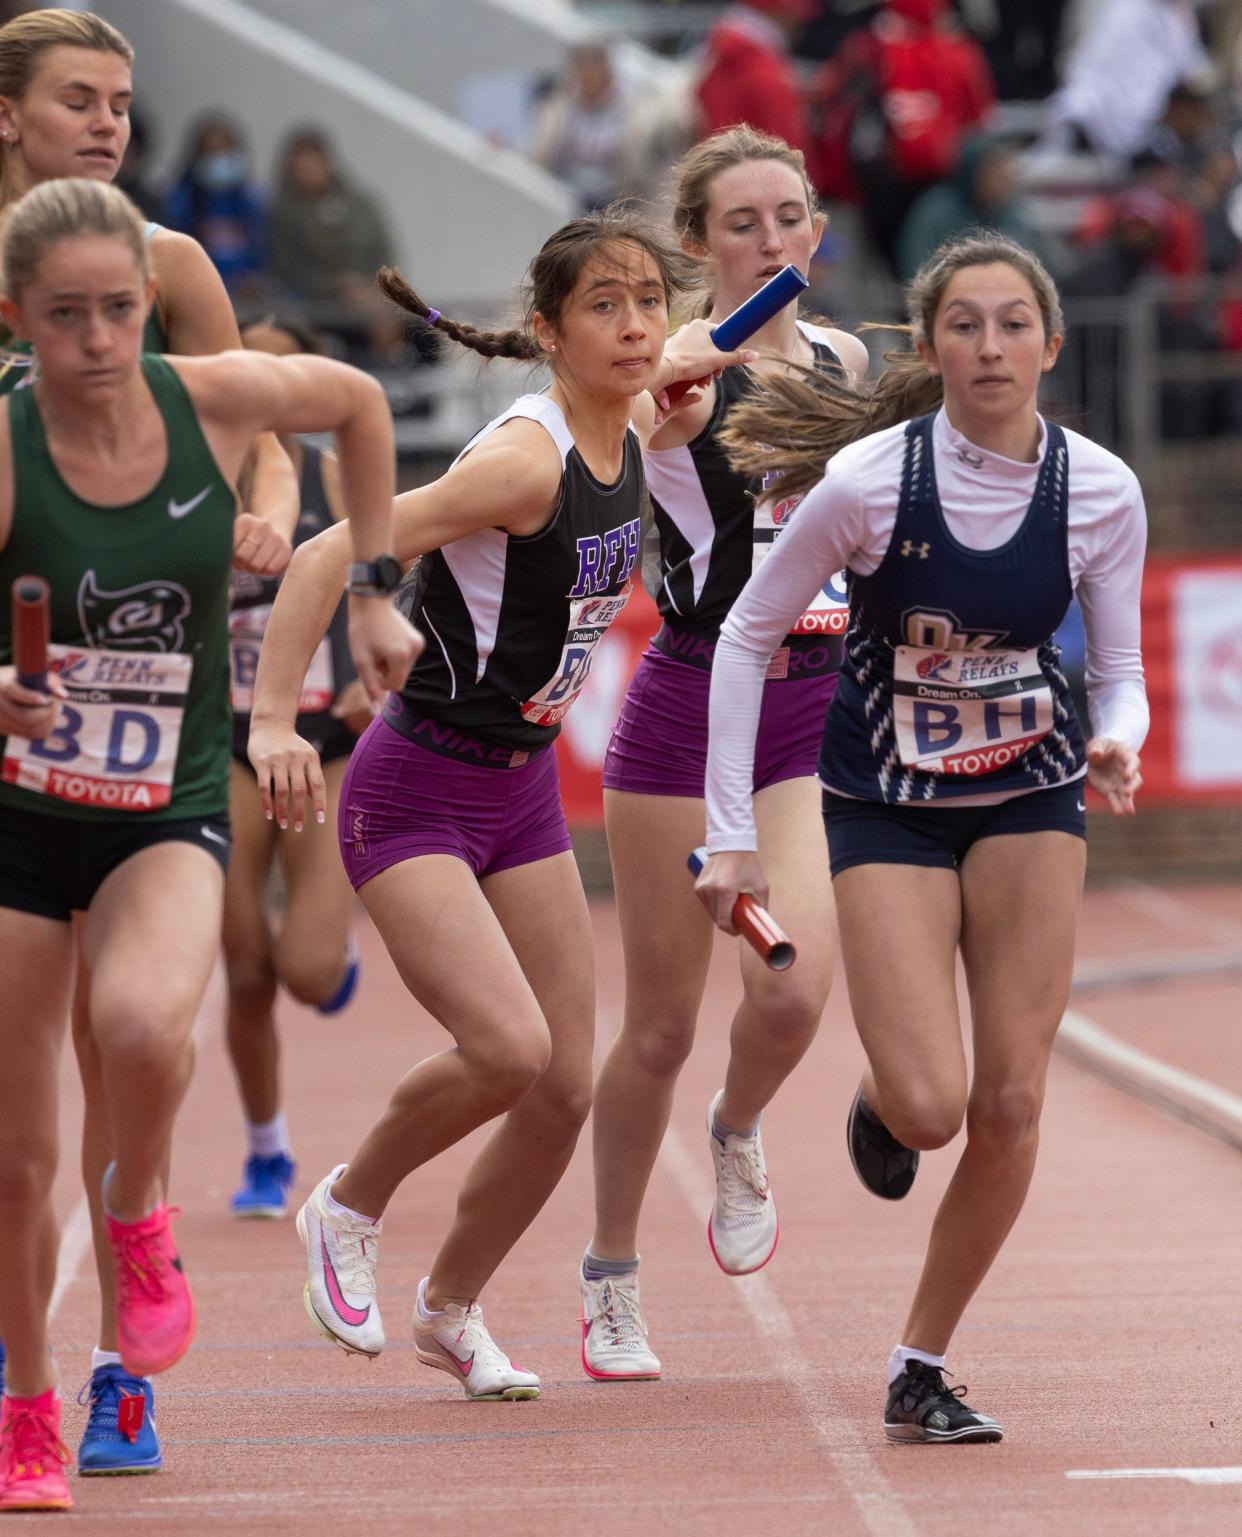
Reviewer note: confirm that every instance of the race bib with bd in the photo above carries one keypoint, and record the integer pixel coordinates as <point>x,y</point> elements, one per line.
<point>246,630</point>
<point>115,741</point>
<point>589,619</point>
<point>967,712</point>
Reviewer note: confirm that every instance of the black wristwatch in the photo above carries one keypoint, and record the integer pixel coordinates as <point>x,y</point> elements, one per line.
<point>374,578</point>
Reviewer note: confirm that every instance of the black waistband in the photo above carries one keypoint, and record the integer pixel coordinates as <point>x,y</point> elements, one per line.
<point>440,737</point>
<point>801,656</point>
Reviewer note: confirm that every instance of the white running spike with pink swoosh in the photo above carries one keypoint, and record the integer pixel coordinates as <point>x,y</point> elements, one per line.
<point>341,1255</point>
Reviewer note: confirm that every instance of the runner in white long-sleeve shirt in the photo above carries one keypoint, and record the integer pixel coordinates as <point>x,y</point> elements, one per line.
<point>953,765</point>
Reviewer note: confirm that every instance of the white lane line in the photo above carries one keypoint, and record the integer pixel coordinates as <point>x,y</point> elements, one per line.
<point>75,1237</point>
<point>1204,1104</point>
<point>1155,966</point>
<point>877,1504</point>
<point>1172,910</point>
<point>1188,1475</point>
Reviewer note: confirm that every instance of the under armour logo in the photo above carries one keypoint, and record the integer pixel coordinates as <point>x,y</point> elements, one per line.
<point>975,461</point>
<point>908,547</point>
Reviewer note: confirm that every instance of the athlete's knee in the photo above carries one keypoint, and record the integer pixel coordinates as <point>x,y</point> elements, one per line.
<point>148,1038</point>
<point>511,1063</point>
<point>562,1102</point>
<point>252,991</point>
<point>1006,1115</point>
<point>27,1169</point>
<point>310,976</point>
<point>662,1042</point>
<point>923,1117</point>
<point>787,1010</point>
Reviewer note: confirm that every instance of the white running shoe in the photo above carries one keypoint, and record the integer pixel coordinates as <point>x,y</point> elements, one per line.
<point>743,1228</point>
<point>614,1332</point>
<point>456,1341</point>
<point>341,1255</point>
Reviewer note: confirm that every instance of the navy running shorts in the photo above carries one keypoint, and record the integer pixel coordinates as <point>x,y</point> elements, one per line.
<point>876,833</point>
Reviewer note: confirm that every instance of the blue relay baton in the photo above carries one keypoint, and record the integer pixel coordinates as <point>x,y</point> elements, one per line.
<point>741,325</point>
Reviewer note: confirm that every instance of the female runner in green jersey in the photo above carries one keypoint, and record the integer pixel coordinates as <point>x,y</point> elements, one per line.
<point>116,476</point>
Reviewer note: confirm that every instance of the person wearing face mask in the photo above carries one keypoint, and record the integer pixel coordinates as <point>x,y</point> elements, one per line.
<point>214,201</point>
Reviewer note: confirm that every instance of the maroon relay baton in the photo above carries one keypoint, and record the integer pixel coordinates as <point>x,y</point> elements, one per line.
<point>31,602</point>
<point>755,924</point>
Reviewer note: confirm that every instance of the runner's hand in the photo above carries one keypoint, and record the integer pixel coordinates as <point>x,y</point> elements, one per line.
<point>258,547</point>
<point>1113,770</point>
<point>725,876</point>
<point>26,711</point>
<point>383,643</point>
<point>354,708</point>
<point>287,768</point>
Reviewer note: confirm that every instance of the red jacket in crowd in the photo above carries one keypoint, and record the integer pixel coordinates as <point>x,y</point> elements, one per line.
<point>748,76</point>
<point>924,81</point>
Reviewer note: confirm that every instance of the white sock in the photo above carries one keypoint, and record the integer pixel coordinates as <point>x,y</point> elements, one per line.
<point>423,1310</point>
<point>268,1138</point>
<point>902,1353</point>
<point>104,1358</point>
<point>335,1207</point>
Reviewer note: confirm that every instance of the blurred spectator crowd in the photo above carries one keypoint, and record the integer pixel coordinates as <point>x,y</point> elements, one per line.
<point>1105,134</point>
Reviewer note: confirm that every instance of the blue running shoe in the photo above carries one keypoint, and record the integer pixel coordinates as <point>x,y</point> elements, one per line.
<point>349,981</point>
<point>120,1431</point>
<point>265,1186</point>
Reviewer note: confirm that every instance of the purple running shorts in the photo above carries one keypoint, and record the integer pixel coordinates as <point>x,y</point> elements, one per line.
<point>659,744</point>
<point>400,800</point>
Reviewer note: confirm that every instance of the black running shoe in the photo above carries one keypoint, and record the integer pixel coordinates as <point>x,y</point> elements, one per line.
<point>887,1167</point>
<point>922,1407</point>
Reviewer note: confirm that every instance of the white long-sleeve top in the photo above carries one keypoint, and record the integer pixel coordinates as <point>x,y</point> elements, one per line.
<point>847,521</point>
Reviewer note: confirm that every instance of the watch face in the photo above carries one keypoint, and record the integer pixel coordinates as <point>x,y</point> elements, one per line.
<point>388,573</point>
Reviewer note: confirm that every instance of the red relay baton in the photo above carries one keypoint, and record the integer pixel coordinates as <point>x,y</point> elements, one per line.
<point>31,621</point>
<point>754,923</point>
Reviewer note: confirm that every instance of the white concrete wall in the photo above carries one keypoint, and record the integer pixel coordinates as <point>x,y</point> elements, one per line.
<point>430,47</point>
<point>466,216</point>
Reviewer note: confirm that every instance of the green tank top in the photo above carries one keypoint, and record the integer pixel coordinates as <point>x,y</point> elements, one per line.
<point>17,369</point>
<point>139,625</point>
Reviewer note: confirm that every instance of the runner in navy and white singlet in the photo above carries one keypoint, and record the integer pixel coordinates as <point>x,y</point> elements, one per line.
<point>953,767</point>
<point>311,953</point>
<point>451,825</point>
<point>744,210</point>
<point>65,91</point>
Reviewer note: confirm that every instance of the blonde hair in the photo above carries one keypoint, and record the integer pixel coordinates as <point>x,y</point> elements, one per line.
<point>699,167</point>
<point>25,39</point>
<point>801,419</point>
<point>60,209</point>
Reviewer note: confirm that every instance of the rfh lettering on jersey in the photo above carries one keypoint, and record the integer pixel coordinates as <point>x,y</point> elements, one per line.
<point>606,560</point>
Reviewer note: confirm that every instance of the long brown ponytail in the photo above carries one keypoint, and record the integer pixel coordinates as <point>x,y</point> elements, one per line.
<point>800,420</point>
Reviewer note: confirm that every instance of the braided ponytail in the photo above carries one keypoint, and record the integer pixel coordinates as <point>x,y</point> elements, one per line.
<point>514,343</point>
<point>552,277</point>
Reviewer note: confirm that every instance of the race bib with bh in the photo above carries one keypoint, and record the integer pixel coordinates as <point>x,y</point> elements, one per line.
<point>115,740</point>
<point>967,712</point>
<point>829,613</point>
<point>589,619</point>
<point>246,628</point>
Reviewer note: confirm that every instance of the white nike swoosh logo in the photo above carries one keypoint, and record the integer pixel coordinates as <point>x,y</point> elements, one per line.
<point>1082,806</point>
<point>178,509</point>
<point>210,832</point>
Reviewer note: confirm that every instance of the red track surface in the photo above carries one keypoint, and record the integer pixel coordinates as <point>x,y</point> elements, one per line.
<point>1105,1338</point>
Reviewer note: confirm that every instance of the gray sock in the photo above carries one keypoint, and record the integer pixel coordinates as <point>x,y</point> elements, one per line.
<point>720,1131</point>
<point>595,1269</point>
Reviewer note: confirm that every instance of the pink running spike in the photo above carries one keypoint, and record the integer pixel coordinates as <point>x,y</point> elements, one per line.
<point>32,1455</point>
<point>154,1308</point>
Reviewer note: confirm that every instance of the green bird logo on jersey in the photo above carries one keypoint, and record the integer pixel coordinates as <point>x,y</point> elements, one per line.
<point>147,617</point>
